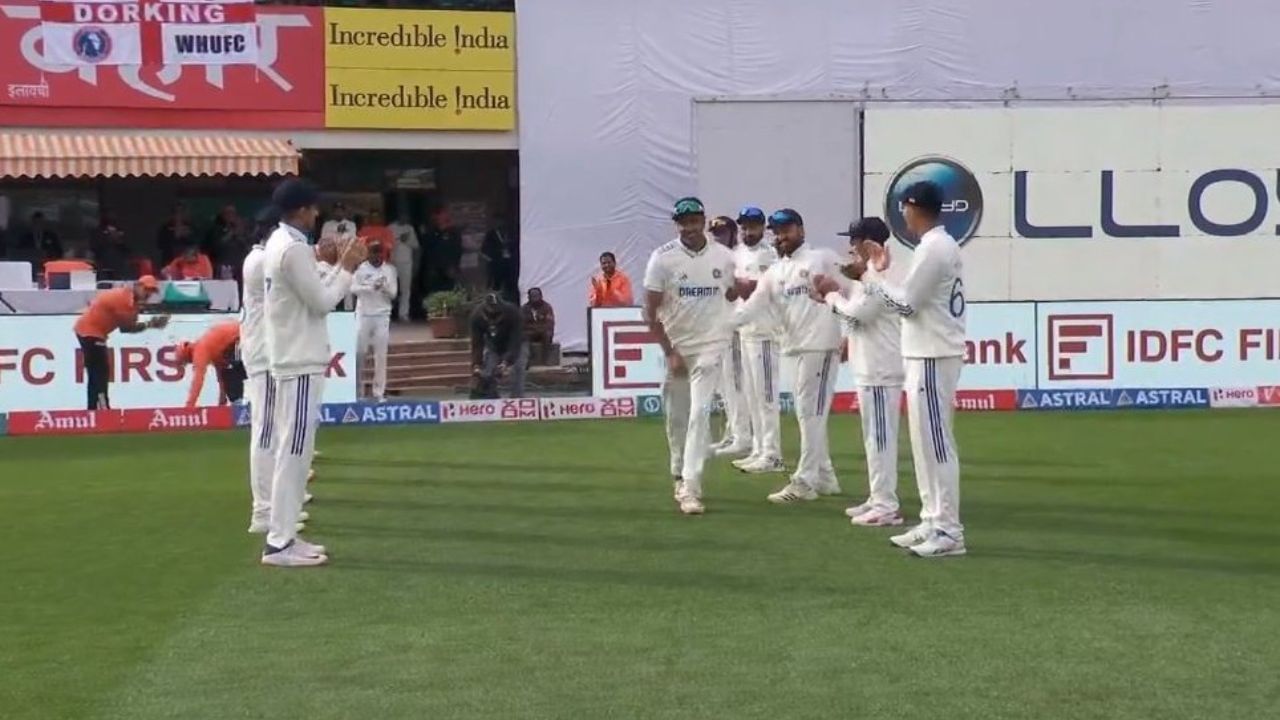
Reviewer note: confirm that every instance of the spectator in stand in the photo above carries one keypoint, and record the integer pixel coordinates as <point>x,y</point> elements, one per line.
<point>111,310</point>
<point>610,287</point>
<point>227,243</point>
<point>190,265</point>
<point>217,347</point>
<point>405,257</point>
<point>441,253</point>
<point>110,252</point>
<point>174,234</point>
<point>43,240</point>
<point>340,226</point>
<point>539,326</point>
<point>502,252</point>
<point>375,231</point>
<point>497,346</point>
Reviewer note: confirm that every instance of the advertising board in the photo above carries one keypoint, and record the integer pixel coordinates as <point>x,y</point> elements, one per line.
<point>42,368</point>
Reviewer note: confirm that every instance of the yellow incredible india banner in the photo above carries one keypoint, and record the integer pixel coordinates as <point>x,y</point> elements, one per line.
<point>419,99</point>
<point>419,40</point>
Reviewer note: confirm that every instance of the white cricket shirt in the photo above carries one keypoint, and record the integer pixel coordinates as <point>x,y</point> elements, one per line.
<point>253,332</point>
<point>298,302</point>
<point>751,263</point>
<point>931,300</point>
<point>694,310</point>
<point>807,325</point>
<point>373,300</point>
<point>875,336</point>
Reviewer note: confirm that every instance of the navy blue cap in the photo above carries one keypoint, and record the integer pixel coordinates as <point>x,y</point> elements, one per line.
<point>924,195</point>
<point>268,215</point>
<point>294,194</point>
<point>785,216</point>
<point>868,228</point>
<point>750,213</point>
<point>687,206</point>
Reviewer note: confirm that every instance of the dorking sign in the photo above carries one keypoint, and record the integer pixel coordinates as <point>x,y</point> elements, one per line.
<point>202,73</point>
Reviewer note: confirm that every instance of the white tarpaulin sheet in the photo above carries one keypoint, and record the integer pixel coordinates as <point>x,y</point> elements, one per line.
<point>607,90</point>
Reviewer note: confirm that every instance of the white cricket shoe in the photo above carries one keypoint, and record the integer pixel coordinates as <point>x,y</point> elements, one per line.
<point>765,466</point>
<point>725,441</point>
<point>748,460</point>
<point>677,488</point>
<point>309,548</point>
<point>293,557</point>
<point>856,510</point>
<point>876,517</point>
<point>690,505</point>
<point>733,448</point>
<point>306,498</point>
<point>940,545</point>
<point>259,527</point>
<point>304,516</point>
<point>795,491</point>
<point>912,537</point>
<point>311,475</point>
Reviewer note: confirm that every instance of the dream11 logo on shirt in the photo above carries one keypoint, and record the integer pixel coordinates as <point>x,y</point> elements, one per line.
<point>961,197</point>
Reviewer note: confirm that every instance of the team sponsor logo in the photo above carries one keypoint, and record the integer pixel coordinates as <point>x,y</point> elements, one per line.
<point>961,197</point>
<point>174,419</point>
<point>1233,397</point>
<point>587,407</point>
<point>91,44</point>
<point>64,422</point>
<point>489,410</point>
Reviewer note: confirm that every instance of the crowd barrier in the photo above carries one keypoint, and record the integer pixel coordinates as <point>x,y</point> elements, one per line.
<point>555,409</point>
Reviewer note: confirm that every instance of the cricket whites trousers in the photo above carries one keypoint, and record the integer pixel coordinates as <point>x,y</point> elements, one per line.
<point>297,408</point>
<point>688,399</point>
<point>760,393</point>
<point>372,336</point>
<point>879,407</point>
<point>737,417</point>
<point>815,384</point>
<point>931,393</point>
<point>262,460</point>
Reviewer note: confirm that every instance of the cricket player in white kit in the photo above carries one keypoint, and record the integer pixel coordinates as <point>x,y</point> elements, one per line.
<point>875,352</point>
<point>688,292</point>
<point>261,388</point>
<point>374,286</point>
<point>759,354</point>
<point>737,439</point>
<point>931,302</point>
<point>811,334</point>
<point>297,305</point>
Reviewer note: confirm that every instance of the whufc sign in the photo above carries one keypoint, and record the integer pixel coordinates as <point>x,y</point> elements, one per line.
<point>156,32</point>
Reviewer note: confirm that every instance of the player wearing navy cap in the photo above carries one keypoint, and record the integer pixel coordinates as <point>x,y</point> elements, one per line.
<point>931,302</point>
<point>810,334</point>
<point>875,352</point>
<point>688,285</point>
<point>759,340</point>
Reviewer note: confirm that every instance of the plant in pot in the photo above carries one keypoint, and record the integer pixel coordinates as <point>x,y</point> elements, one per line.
<point>444,308</point>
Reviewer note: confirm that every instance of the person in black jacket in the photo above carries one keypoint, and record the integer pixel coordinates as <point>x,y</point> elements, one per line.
<point>497,346</point>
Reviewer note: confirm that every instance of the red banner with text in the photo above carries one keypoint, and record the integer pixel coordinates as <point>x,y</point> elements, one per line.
<point>282,88</point>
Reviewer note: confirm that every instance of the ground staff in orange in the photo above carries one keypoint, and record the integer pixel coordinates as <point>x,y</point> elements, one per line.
<point>219,347</point>
<point>111,310</point>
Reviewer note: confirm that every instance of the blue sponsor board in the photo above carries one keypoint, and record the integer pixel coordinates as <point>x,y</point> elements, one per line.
<point>388,413</point>
<point>649,405</point>
<point>1113,399</point>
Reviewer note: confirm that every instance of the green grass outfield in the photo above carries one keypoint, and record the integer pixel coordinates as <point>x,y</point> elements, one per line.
<point>1123,565</point>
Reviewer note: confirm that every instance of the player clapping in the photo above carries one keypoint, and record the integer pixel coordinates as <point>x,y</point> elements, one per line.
<point>811,334</point>
<point>876,356</point>
<point>932,304</point>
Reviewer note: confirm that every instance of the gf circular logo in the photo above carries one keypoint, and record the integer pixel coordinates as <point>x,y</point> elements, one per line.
<point>961,197</point>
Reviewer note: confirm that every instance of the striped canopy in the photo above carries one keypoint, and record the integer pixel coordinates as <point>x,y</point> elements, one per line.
<point>50,155</point>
